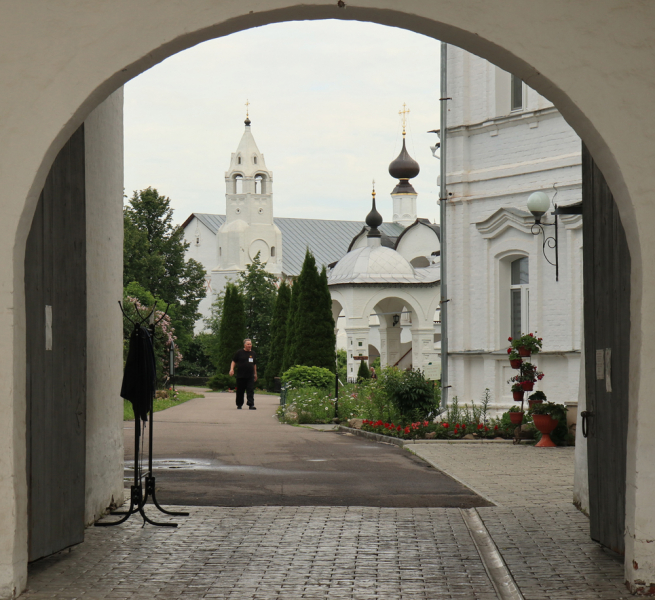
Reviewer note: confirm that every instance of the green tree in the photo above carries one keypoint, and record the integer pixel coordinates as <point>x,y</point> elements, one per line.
<point>213,323</point>
<point>153,256</point>
<point>232,330</point>
<point>363,372</point>
<point>258,289</point>
<point>289,358</point>
<point>278,335</point>
<point>311,339</point>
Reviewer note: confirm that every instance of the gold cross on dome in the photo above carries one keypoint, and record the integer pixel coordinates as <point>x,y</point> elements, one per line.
<point>404,112</point>
<point>374,188</point>
<point>247,108</point>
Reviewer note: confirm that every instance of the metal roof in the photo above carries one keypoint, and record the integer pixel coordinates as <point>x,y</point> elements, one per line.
<point>327,240</point>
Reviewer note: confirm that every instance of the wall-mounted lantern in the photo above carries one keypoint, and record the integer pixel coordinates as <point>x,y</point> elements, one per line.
<point>538,205</point>
<point>396,320</point>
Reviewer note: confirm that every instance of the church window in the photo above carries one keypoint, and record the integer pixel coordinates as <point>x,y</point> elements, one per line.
<point>220,251</point>
<point>238,184</point>
<point>197,241</point>
<point>259,184</point>
<point>261,211</point>
<point>516,93</point>
<point>239,160</point>
<point>272,250</point>
<point>254,160</point>
<point>519,297</point>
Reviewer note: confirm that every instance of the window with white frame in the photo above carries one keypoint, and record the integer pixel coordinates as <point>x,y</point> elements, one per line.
<point>519,297</point>
<point>238,184</point>
<point>516,93</point>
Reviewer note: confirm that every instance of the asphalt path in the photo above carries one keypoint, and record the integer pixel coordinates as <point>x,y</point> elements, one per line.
<point>208,453</point>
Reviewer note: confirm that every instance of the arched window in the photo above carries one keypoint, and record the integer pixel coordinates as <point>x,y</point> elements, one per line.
<point>272,250</point>
<point>238,160</point>
<point>519,297</point>
<point>419,262</point>
<point>254,160</point>
<point>516,93</point>
<point>259,184</point>
<point>238,184</point>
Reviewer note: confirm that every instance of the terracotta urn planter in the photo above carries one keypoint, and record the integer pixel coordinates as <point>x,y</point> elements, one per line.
<point>518,396</point>
<point>523,351</point>
<point>516,363</point>
<point>527,386</point>
<point>516,418</point>
<point>545,424</point>
<point>531,403</point>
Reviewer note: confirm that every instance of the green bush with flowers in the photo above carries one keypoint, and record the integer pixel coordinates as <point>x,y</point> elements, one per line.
<point>527,341</point>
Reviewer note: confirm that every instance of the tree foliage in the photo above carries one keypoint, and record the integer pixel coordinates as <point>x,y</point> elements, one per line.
<point>278,335</point>
<point>289,336</point>
<point>258,288</point>
<point>363,372</point>
<point>153,256</point>
<point>232,330</point>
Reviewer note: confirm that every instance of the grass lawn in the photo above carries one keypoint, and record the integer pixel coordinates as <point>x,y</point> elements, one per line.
<point>160,404</point>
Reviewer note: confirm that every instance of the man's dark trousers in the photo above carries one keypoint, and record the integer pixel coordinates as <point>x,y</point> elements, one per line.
<point>246,385</point>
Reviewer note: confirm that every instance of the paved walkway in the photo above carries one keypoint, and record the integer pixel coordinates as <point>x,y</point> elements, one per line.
<point>367,553</point>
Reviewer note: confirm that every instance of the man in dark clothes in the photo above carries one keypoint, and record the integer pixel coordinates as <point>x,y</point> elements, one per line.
<point>246,364</point>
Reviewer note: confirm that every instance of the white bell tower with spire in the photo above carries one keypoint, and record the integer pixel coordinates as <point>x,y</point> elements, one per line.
<point>248,228</point>
<point>404,168</point>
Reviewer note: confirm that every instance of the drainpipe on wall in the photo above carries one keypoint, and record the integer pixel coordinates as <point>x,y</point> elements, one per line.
<point>443,196</point>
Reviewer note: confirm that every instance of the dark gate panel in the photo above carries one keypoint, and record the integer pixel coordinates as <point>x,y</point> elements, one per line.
<point>607,354</point>
<point>55,291</point>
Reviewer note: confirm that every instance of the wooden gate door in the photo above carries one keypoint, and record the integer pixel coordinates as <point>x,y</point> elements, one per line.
<point>607,354</point>
<point>55,290</point>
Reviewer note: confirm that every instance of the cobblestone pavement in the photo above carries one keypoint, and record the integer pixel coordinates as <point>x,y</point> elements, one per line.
<point>267,553</point>
<point>542,537</point>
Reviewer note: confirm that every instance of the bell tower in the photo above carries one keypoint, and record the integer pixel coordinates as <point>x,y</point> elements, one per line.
<point>248,228</point>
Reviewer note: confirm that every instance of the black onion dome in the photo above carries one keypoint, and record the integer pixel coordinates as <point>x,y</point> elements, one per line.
<point>404,167</point>
<point>247,121</point>
<point>374,220</point>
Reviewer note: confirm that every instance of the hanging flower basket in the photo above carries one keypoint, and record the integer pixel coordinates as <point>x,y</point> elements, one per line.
<point>518,396</point>
<point>516,418</point>
<point>546,424</point>
<point>516,363</point>
<point>523,351</point>
<point>527,386</point>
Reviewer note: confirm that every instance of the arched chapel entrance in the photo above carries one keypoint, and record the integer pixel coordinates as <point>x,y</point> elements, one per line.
<point>62,63</point>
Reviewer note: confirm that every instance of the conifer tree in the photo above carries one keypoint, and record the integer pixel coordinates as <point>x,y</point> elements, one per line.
<point>313,324</point>
<point>278,335</point>
<point>232,330</point>
<point>288,356</point>
<point>363,372</point>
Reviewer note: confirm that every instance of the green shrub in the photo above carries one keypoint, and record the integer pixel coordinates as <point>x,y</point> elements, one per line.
<point>301,376</point>
<point>307,405</point>
<point>222,381</point>
<point>412,395</point>
<point>363,371</point>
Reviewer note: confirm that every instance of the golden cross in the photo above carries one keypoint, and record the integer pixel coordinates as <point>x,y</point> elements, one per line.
<point>374,188</point>
<point>247,109</point>
<point>404,113</point>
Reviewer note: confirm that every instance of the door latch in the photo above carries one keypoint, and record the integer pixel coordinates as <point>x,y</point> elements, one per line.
<point>585,414</point>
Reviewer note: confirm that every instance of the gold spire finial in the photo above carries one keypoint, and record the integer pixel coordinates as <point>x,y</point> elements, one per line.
<point>404,113</point>
<point>374,188</point>
<point>247,108</point>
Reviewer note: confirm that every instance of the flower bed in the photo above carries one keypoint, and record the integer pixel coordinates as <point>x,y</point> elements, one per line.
<point>431,430</point>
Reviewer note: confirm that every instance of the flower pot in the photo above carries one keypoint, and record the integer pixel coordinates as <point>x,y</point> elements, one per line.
<point>531,403</point>
<point>518,396</point>
<point>527,386</point>
<point>523,351</point>
<point>545,424</point>
<point>516,363</point>
<point>516,418</point>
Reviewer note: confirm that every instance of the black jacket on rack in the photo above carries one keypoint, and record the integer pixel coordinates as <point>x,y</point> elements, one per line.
<point>140,375</point>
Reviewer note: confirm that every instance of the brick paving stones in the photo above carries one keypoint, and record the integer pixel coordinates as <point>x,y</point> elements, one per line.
<point>352,553</point>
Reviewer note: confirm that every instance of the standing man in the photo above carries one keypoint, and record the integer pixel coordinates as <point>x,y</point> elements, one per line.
<point>246,364</point>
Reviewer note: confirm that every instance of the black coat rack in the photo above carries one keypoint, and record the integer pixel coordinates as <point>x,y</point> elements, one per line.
<point>138,498</point>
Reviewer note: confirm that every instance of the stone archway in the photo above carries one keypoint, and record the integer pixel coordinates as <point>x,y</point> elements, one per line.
<point>587,58</point>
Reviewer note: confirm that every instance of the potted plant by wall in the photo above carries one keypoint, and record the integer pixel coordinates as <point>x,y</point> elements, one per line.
<point>516,415</point>
<point>517,392</point>
<point>537,398</point>
<point>527,344</point>
<point>529,376</point>
<point>546,416</point>
<point>515,360</point>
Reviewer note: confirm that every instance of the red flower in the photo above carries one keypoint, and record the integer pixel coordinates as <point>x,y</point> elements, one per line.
<point>398,428</point>
<point>509,339</point>
<point>425,423</point>
<point>406,429</point>
<point>531,335</point>
<point>509,350</point>
<point>540,339</point>
<point>495,427</point>
<point>446,425</point>
<point>486,429</point>
<point>480,426</point>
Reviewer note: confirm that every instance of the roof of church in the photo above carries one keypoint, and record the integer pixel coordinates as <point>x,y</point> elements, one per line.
<point>328,240</point>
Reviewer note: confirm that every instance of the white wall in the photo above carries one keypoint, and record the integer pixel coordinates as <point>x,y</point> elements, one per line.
<point>592,59</point>
<point>202,247</point>
<point>103,138</point>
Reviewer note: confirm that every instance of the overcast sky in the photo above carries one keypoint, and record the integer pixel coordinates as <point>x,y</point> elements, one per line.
<point>324,101</point>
